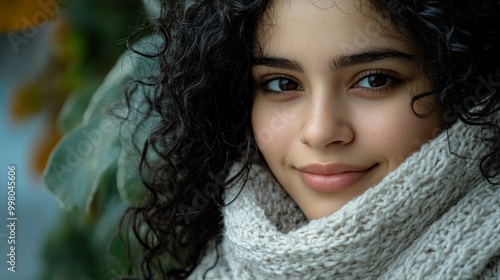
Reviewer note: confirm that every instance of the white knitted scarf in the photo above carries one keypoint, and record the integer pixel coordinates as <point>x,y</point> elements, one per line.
<point>434,217</point>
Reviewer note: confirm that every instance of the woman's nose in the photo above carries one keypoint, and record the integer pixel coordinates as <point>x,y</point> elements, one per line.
<point>327,123</point>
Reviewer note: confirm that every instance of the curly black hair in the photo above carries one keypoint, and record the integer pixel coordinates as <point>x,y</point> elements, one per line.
<point>203,94</point>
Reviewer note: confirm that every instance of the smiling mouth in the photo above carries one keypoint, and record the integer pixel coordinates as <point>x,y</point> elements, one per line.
<point>332,178</point>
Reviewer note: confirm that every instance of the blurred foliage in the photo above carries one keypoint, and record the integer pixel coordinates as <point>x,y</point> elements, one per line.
<point>87,38</point>
<point>93,171</point>
<point>26,13</point>
<point>97,180</point>
<point>96,157</point>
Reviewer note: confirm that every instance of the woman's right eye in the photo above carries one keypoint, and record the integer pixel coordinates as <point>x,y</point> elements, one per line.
<point>281,85</point>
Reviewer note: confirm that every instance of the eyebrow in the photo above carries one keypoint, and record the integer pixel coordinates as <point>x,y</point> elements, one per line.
<point>343,61</point>
<point>369,56</point>
<point>276,62</point>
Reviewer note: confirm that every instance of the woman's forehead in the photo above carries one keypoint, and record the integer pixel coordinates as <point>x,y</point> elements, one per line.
<point>344,25</point>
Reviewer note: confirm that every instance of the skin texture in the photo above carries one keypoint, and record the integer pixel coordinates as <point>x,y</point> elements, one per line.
<point>334,87</point>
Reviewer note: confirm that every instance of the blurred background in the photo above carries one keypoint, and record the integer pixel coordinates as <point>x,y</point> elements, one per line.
<point>53,52</point>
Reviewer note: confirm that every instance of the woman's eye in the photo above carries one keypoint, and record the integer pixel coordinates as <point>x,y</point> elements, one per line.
<point>376,81</point>
<point>282,84</point>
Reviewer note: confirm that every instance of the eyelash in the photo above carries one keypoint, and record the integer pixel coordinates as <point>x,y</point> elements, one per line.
<point>392,82</point>
<point>263,85</point>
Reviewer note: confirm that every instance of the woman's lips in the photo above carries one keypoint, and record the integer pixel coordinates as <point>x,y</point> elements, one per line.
<point>332,177</point>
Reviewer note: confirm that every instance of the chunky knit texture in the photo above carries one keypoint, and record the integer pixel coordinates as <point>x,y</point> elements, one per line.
<point>434,217</point>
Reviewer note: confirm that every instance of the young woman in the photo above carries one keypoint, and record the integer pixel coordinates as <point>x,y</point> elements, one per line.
<point>324,140</point>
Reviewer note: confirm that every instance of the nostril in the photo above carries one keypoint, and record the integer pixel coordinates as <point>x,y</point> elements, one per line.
<point>321,135</point>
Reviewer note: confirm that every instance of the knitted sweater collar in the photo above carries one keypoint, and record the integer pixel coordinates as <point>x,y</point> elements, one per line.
<point>427,218</point>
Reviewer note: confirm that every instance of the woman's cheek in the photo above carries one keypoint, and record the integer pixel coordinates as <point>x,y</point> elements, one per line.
<point>272,125</point>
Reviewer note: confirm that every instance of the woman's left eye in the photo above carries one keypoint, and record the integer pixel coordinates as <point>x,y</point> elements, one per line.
<point>279,86</point>
<point>283,84</point>
<point>377,81</point>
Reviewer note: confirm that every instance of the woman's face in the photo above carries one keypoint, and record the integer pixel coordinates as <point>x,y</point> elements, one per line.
<point>332,110</point>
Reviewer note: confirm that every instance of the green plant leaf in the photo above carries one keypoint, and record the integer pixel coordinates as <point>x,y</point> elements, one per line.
<point>130,66</point>
<point>85,159</point>
<point>131,190</point>
<point>72,112</point>
<point>89,157</point>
